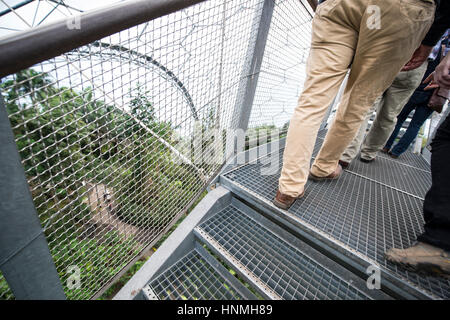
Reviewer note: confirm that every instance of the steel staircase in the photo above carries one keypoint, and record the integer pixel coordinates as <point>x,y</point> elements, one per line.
<point>236,245</point>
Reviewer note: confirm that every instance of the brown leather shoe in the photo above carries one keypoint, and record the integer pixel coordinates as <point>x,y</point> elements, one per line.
<point>284,201</point>
<point>385,150</point>
<point>335,175</point>
<point>422,258</point>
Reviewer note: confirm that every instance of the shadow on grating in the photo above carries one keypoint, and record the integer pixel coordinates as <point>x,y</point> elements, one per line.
<point>192,278</point>
<point>410,173</point>
<point>394,174</point>
<point>363,214</point>
<point>408,158</point>
<point>281,267</point>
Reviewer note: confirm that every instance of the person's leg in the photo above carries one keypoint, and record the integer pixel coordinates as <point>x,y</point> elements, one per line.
<point>436,206</point>
<point>332,49</point>
<point>421,114</point>
<point>401,118</point>
<point>396,97</point>
<point>353,148</point>
<point>380,55</point>
<point>431,254</point>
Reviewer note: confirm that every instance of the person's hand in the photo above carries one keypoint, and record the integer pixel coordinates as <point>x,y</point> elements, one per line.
<point>441,75</point>
<point>418,58</point>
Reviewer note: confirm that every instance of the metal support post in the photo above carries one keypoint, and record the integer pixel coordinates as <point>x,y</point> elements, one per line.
<point>252,66</point>
<point>25,259</point>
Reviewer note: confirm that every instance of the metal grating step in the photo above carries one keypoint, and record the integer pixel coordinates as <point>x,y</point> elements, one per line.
<point>194,278</point>
<point>394,174</point>
<point>358,213</point>
<point>277,268</point>
<point>408,158</point>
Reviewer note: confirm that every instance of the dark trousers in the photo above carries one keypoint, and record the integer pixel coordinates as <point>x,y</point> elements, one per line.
<point>436,207</point>
<point>418,102</point>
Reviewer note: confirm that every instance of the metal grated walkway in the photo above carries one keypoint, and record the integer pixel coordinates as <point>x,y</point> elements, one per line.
<point>237,245</point>
<point>193,278</point>
<point>408,158</point>
<point>370,209</point>
<point>282,270</point>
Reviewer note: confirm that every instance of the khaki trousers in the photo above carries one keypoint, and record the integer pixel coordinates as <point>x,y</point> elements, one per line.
<point>343,34</point>
<point>387,106</point>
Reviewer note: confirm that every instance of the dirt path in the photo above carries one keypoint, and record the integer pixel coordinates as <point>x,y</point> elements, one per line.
<point>102,206</point>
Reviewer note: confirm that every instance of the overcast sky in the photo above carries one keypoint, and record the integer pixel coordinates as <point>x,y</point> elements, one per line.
<point>37,11</point>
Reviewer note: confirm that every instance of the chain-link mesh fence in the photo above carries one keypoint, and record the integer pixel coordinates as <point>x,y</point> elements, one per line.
<point>5,292</point>
<point>99,128</point>
<point>283,69</point>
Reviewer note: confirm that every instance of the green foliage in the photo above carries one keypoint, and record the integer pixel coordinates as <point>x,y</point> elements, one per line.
<point>259,135</point>
<point>94,258</point>
<point>111,292</point>
<point>152,185</point>
<point>68,139</point>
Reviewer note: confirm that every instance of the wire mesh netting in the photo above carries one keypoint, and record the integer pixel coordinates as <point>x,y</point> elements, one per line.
<point>283,67</point>
<point>20,15</point>
<point>5,292</point>
<point>99,128</point>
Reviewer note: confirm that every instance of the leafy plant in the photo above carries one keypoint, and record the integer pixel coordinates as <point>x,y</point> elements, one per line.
<point>69,139</point>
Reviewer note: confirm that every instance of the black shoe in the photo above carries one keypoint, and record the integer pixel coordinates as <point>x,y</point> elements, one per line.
<point>366,160</point>
<point>392,155</point>
<point>344,164</point>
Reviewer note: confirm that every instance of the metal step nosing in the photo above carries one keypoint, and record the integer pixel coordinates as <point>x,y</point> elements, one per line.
<point>261,287</point>
<point>149,294</point>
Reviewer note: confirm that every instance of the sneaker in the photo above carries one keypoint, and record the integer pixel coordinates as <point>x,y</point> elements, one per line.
<point>335,175</point>
<point>422,258</point>
<point>284,201</point>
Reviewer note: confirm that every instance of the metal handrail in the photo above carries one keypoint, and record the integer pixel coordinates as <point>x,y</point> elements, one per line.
<point>27,48</point>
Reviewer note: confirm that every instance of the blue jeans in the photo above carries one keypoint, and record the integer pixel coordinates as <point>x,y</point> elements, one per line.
<point>418,102</point>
